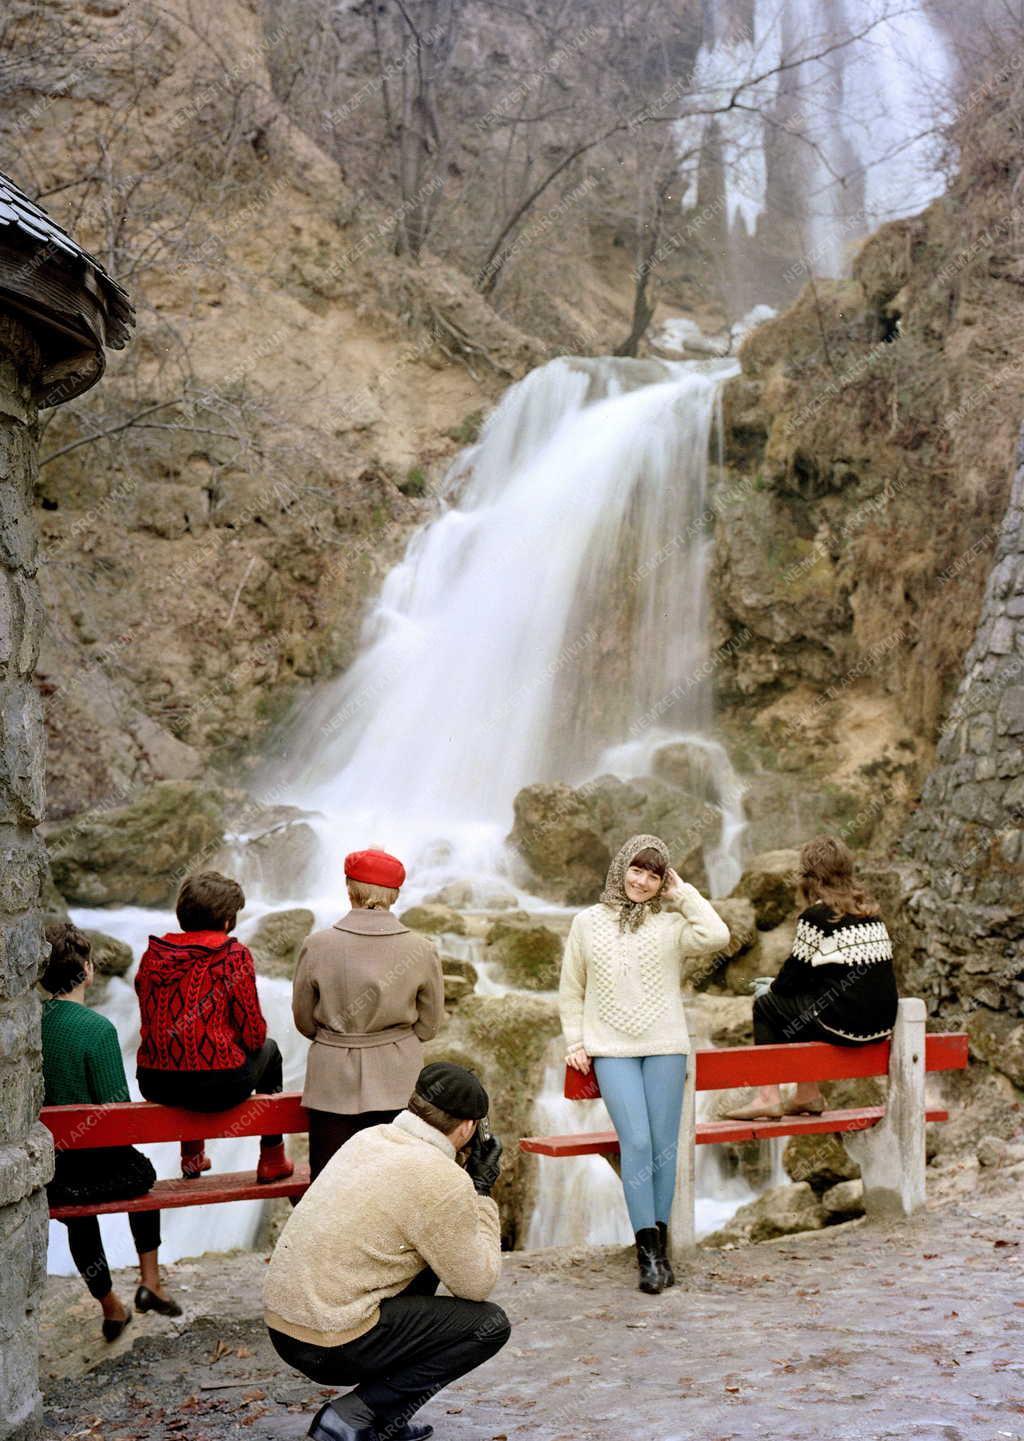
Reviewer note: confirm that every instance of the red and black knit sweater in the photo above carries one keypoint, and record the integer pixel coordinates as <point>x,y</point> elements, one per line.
<point>197,997</point>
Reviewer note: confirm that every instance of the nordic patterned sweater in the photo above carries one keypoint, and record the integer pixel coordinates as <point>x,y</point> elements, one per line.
<point>620,994</point>
<point>842,971</point>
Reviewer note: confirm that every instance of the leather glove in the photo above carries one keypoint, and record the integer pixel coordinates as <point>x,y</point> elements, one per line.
<point>484,1164</point>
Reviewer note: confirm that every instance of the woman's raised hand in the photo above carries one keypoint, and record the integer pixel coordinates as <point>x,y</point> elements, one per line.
<point>578,1059</point>
<point>673,887</point>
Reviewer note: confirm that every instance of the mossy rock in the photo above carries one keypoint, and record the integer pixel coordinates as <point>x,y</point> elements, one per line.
<point>432,920</point>
<point>456,966</point>
<point>277,940</point>
<point>137,854</point>
<point>528,953</point>
<point>456,988</point>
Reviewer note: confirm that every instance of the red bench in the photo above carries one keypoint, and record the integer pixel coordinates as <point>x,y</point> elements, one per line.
<point>132,1123</point>
<point>892,1165</point>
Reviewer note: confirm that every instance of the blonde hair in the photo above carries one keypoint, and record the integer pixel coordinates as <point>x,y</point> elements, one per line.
<point>368,897</point>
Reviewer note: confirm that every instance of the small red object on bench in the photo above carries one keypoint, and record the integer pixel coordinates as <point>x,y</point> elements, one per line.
<point>132,1123</point>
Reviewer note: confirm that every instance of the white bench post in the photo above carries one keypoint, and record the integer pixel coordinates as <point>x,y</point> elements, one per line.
<point>682,1234</point>
<point>891,1155</point>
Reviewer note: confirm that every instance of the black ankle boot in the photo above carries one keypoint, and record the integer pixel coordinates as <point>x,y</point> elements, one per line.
<point>668,1276</point>
<point>647,1261</point>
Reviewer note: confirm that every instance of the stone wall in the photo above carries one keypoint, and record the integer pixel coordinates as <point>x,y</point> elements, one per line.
<point>26,1153</point>
<point>965,843</point>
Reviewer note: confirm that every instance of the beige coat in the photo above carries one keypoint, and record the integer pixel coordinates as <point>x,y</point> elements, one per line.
<point>367,992</point>
<point>390,1202</point>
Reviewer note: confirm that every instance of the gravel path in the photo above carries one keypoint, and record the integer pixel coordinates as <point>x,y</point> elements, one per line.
<point>859,1333</point>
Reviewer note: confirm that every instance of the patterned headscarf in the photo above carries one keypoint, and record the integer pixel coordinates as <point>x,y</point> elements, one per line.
<point>632,914</point>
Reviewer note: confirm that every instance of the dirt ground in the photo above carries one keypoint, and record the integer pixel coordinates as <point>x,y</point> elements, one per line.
<point>862,1332</point>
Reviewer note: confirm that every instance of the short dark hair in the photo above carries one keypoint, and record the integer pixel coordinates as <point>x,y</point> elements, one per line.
<point>69,951</point>
<point>209,901</point>
<point>442,1121</point>
<point>651,860</point>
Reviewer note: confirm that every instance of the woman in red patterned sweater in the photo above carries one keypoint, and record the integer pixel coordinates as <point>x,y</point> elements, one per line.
<point>204,1039</point>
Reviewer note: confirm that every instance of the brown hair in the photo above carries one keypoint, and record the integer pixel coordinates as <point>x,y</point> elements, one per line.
<point>650,859</point>
<point>70,949</point>
<point>369,897</point>
<point>209,901</point>
<point>442,1121</point>
<point>826,876</point>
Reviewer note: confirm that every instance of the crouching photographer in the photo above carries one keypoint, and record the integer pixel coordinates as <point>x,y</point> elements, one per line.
<point>349,1295</point>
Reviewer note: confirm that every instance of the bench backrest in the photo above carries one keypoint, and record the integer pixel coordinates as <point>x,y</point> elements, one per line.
<point>133,1123</point>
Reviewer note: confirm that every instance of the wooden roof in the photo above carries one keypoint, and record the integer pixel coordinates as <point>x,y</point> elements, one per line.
<point>73,307</point>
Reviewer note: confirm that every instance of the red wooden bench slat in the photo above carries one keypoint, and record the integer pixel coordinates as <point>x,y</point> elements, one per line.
<point>134,1123</point>
<point>709,1133</point>
<point>203,1191</point>
<point>734,1066</point>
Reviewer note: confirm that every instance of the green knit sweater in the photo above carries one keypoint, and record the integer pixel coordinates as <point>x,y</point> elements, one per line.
<point>81,1056</point>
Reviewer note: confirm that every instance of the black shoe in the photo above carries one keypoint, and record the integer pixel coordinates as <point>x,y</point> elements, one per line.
<point>668,1276</point>
<point>647,1260</point>
<point>113,1329</point>
<point>147,1300</point>
<point>341,1421</point>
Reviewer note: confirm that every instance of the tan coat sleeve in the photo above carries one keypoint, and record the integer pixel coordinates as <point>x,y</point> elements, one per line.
<point>701,930</point>
<point>304,994</point>
<point>461,1241</point>
<point>430,1000</point>
<point>572,987</point>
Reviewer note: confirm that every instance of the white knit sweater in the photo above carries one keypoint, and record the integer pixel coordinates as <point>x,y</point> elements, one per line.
<point>620,993</point>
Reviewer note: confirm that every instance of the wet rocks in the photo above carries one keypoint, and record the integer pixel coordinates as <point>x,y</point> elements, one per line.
<point>277,940</point>
<point>820,1160</point>
<point>528,953</point>
<point>432,920</point>
<point>779,1211</point>
<point>556,834</point>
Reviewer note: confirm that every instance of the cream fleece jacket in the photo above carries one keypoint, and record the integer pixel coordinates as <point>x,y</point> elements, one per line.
<point>392,1200</point>
<point>620,993</point>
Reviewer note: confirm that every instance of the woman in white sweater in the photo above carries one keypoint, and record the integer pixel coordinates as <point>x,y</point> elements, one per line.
<point>622,1008</point>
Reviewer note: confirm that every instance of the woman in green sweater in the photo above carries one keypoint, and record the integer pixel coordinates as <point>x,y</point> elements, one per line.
<point>82,1063</point>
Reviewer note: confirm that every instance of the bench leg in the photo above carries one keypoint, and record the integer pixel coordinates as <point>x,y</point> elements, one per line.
<point>682,1235</point>
<point>891,1155</point>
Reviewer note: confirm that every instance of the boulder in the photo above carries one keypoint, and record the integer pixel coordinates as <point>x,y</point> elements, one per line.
<point>110,956</point>
<point>844,1200</point>
<point>998,1038</point>
<point>137,854</point>
<point>456,966</point>
<point>456,988</point>
<point>475,895</point>
<point>555,833</point>
<point>820,1160</point>
<point>528,953</point>
<point>504,1040</point>
<point>779,1211</point>
<point>995,1152</point>
<point>432,920</point>
<point>770,881</point>
<point>277,940</point>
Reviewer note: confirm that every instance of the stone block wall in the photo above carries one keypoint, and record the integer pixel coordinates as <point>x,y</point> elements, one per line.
<point>26,1152</point>
<point>965,843</point>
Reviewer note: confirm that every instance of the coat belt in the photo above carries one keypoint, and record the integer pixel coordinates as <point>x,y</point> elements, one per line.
<point>358,1039</point>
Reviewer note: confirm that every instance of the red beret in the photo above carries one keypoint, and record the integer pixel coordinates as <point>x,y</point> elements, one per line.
<point>376,868</point>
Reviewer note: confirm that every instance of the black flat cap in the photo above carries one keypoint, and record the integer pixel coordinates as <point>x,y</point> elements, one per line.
<point>453,1089</point>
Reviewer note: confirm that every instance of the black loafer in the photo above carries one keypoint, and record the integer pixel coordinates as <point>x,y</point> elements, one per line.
<point>113,1329</point>
<point>330,1425</point>
<point>147,1300</point>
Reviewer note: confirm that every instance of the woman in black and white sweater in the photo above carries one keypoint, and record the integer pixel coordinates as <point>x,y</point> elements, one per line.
<point>837,984</point>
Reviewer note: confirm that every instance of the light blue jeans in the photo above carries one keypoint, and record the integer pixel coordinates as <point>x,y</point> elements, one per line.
<point>644,1096</point>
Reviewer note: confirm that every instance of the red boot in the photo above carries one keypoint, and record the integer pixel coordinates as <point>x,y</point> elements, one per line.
<point>194,1160</point>
<point>274,1164</point>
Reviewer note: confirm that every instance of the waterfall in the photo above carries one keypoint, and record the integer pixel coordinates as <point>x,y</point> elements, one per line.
<point>557,603</point>
<point>845,142</point>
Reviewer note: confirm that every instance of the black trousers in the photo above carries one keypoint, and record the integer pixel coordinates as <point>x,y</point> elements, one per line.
<point>88,1254</point>
<point>421,1344</point>
<point>217,1090</point>
<point>781,1020</point>
<point>328,1132</point>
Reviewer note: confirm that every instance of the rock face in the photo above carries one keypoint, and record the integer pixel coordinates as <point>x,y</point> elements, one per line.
<point>138,853</point>
<point>780,1211</point>
<point>965,842</point>
<point>503,1039</point>
<point>26,1150</point>
<point>277,939</point>
<point>769,883</point>
<point>529,953</point>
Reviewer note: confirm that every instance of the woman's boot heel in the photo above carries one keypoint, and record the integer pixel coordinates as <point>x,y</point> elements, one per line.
<point>668,1276</point>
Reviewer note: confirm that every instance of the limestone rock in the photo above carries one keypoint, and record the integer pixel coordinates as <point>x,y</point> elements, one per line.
<point>998,1038</point>
<point>433,920</point>
<point>466,895</point>
<point>780,1211</point>
<point>456,988</point>
<point>769,881</point>
<point>136,854</point>
<point>821,1160</point>
<point>738,914</point>
<point>555,833</point>
<point>844,1200</point>
<point>994,1152</point>
<point>277,939</point>
<point>456,966</point>
<point>528,953</point>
